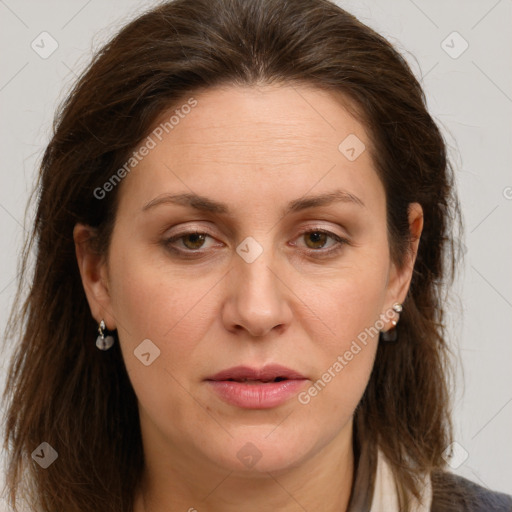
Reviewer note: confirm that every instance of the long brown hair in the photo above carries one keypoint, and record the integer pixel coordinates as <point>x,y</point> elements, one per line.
<point>62,390</point>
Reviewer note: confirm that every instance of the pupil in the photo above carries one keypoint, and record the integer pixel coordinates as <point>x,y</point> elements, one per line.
<point>196,238</point>
<point>317,237</point>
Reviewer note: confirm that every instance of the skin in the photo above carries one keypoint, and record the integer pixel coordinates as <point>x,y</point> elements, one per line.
<point>256,149</point>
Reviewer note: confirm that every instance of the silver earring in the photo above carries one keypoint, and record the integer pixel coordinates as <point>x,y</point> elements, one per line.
<point>103,342</point>
<point>392,334</point>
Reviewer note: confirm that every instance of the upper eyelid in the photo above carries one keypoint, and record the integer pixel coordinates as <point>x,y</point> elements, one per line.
<point>310,226</point>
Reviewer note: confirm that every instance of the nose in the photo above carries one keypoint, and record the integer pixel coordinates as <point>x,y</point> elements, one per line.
<point>257,298</point>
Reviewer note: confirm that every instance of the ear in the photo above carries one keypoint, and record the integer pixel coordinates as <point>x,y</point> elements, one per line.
<point>94,274</point>
<point>399,279</point>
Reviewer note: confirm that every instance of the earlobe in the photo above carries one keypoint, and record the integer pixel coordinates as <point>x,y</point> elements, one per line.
<point>93,271</point>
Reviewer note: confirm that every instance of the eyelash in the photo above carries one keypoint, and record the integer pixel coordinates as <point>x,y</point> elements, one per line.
<point>312,252</point>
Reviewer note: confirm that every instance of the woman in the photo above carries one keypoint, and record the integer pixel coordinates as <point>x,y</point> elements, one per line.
<point>242,237</point>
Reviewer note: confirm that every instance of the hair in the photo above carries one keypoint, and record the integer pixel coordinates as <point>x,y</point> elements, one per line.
<point>63,391</point>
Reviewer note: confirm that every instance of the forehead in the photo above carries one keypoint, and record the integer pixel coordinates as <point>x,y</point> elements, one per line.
<point>242,141</point>
<point>281,118</point>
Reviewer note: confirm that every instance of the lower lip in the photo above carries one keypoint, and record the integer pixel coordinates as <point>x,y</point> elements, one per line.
<point>257,396</point>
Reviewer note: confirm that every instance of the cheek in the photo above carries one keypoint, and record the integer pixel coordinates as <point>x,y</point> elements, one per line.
<point>172,309</point>
<point>167,310</point>
<point>345,332</point>
<point>344,306</point>
<point>344,363</point>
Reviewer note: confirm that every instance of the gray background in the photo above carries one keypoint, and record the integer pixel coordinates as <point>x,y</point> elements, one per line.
<point>471,98</point>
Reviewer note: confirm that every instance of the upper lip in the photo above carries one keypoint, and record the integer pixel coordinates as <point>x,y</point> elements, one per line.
<point>266,373</point>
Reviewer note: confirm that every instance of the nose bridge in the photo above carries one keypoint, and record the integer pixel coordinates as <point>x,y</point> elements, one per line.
<point>259,278</point>
<point>257,292</point>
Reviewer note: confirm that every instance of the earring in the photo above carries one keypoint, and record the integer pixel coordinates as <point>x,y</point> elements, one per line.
<point>392,334</point>
<point>103,342</point>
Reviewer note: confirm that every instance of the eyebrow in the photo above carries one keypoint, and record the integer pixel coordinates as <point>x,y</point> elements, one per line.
<point>205,204</point>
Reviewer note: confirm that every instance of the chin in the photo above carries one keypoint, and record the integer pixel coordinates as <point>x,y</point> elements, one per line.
<point>263,450</point>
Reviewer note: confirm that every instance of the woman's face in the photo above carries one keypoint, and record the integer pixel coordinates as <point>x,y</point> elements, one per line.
<point>262,284</point>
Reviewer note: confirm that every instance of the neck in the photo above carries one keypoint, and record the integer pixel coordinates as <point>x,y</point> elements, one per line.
<point>324,478</point>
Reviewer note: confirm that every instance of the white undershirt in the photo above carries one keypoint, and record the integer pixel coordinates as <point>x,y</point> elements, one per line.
<point>385,495</point>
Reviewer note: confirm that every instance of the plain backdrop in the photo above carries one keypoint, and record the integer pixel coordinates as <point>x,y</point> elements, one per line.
<point>461,50</point>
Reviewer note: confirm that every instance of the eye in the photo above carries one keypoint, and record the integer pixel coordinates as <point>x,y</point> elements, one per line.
<point>191,241</point>
<point>316,240</point>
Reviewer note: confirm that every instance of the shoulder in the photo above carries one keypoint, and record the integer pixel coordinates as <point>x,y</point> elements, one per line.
<point>453,493</point>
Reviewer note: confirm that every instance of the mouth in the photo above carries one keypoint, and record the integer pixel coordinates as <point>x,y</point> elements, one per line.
<point>267,374</point>
<point>252,388</point>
